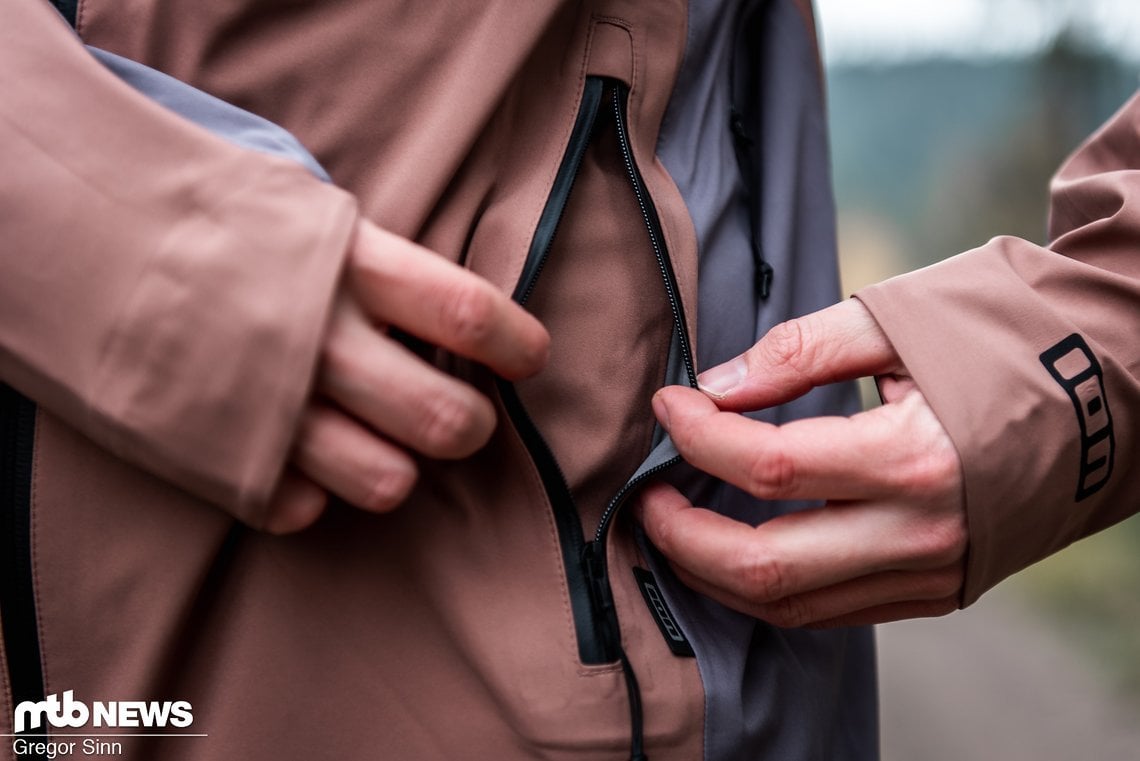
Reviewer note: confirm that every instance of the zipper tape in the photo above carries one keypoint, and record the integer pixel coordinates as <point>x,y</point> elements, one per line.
<point>17,591</point>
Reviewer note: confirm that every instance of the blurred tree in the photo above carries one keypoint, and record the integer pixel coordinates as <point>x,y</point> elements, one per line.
<point>1000,184</point>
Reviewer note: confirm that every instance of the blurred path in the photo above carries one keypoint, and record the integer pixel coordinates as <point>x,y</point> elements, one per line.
<point>995,683</point>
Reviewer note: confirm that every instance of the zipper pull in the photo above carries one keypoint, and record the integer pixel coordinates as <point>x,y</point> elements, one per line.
<point>736,125</point>
<point>764,274</point>
<point>743,143</point>
<point>601,598</point>
<point>594,564</point>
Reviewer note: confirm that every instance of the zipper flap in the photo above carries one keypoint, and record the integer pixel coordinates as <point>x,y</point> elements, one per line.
<point>17,588</point>
<point>676,374</point>
<point>560,191</point>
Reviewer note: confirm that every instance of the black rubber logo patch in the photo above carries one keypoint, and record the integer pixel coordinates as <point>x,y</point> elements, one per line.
<point>1073,365</point>
<point>674,637</point>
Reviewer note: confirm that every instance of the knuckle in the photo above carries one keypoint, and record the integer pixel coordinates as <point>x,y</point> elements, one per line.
<point>771,475</point>
<point>941,542</point>
<point>761,577</point>
<point>447,424</point>
<point>930,465</point>
<point>948,606</point>
<point>942,607</point>
<point>945,584</point>
<point>389,488</point>
<point>789,613</point>
<point>786,344</point>
<point>469,315</point>
<point>936,471</point>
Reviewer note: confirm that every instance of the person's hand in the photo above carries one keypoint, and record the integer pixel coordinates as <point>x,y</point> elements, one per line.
<point>890,541</point>
<point>375,400</point>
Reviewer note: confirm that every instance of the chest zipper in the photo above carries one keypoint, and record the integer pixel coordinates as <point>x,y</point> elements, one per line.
<point>17,591</point>
<point>588,581</point>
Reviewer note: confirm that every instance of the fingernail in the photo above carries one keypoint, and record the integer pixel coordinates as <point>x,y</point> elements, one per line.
<point>661,410</point>
<point>722,379</point>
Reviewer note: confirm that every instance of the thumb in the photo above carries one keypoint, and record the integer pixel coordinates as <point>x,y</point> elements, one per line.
<point>838,343</point>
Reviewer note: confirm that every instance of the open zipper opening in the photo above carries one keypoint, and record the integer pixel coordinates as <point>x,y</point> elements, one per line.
<point>588,581</point>
<point>591,649</point>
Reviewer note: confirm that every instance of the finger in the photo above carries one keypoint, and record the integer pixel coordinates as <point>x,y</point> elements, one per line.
<point>799,552</point>
<point>837,343</point>
<point>402,284</point>
<point>890,451</point>
<point>397,393</point>
<point>711,551</point>
<point>869,592</point>
<point>351,461</point>
<point>845,599</point>
<point>900,611</point>
<point>296,504</point>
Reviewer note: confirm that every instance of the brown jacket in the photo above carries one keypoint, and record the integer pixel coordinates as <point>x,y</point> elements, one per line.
<point>162,298</point>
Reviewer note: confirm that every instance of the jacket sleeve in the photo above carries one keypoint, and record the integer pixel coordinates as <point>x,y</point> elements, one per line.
<point>161,290</point>
<point>1030,356</point>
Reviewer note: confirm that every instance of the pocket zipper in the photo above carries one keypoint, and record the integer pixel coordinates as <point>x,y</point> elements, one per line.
<point>588,581</point>
<point>17,589</point>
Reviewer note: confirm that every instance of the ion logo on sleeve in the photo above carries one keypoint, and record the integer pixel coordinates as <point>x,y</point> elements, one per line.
<point>1073,366</point>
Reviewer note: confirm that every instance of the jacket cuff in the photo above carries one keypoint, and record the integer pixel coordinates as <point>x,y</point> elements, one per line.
<point>212,358</point>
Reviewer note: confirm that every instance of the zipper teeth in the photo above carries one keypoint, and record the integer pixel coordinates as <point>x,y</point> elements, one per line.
<point>619,498</point>
<point>674,303</point>
<point>537,270</point>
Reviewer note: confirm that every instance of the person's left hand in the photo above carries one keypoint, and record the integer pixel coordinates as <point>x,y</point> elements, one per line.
<point>890,541</point>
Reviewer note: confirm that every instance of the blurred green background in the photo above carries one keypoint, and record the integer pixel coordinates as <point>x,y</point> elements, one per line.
<point>947,122</point>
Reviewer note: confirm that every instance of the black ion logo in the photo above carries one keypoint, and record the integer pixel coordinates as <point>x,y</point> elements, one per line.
<point>1073,366</point>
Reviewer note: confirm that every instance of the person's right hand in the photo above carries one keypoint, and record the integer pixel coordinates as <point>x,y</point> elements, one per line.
<point>375,401</point>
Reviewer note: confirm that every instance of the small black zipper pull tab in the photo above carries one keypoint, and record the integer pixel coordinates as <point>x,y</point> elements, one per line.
<point>594,564</point>
<point>764,275</point>
<point>736,124</point>
<point>601,598</point>
<point>742,143</point>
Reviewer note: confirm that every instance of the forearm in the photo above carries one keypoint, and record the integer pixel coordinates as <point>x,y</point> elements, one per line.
<point>162,291</point>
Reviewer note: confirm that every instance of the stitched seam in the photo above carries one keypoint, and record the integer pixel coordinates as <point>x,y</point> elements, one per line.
<point>33,532</point>
<point>80,7</point>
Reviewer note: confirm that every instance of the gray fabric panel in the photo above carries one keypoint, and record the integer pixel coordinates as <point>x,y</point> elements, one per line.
<point>227,121</point>
<point>792,695</point>
<point>676,374</point>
